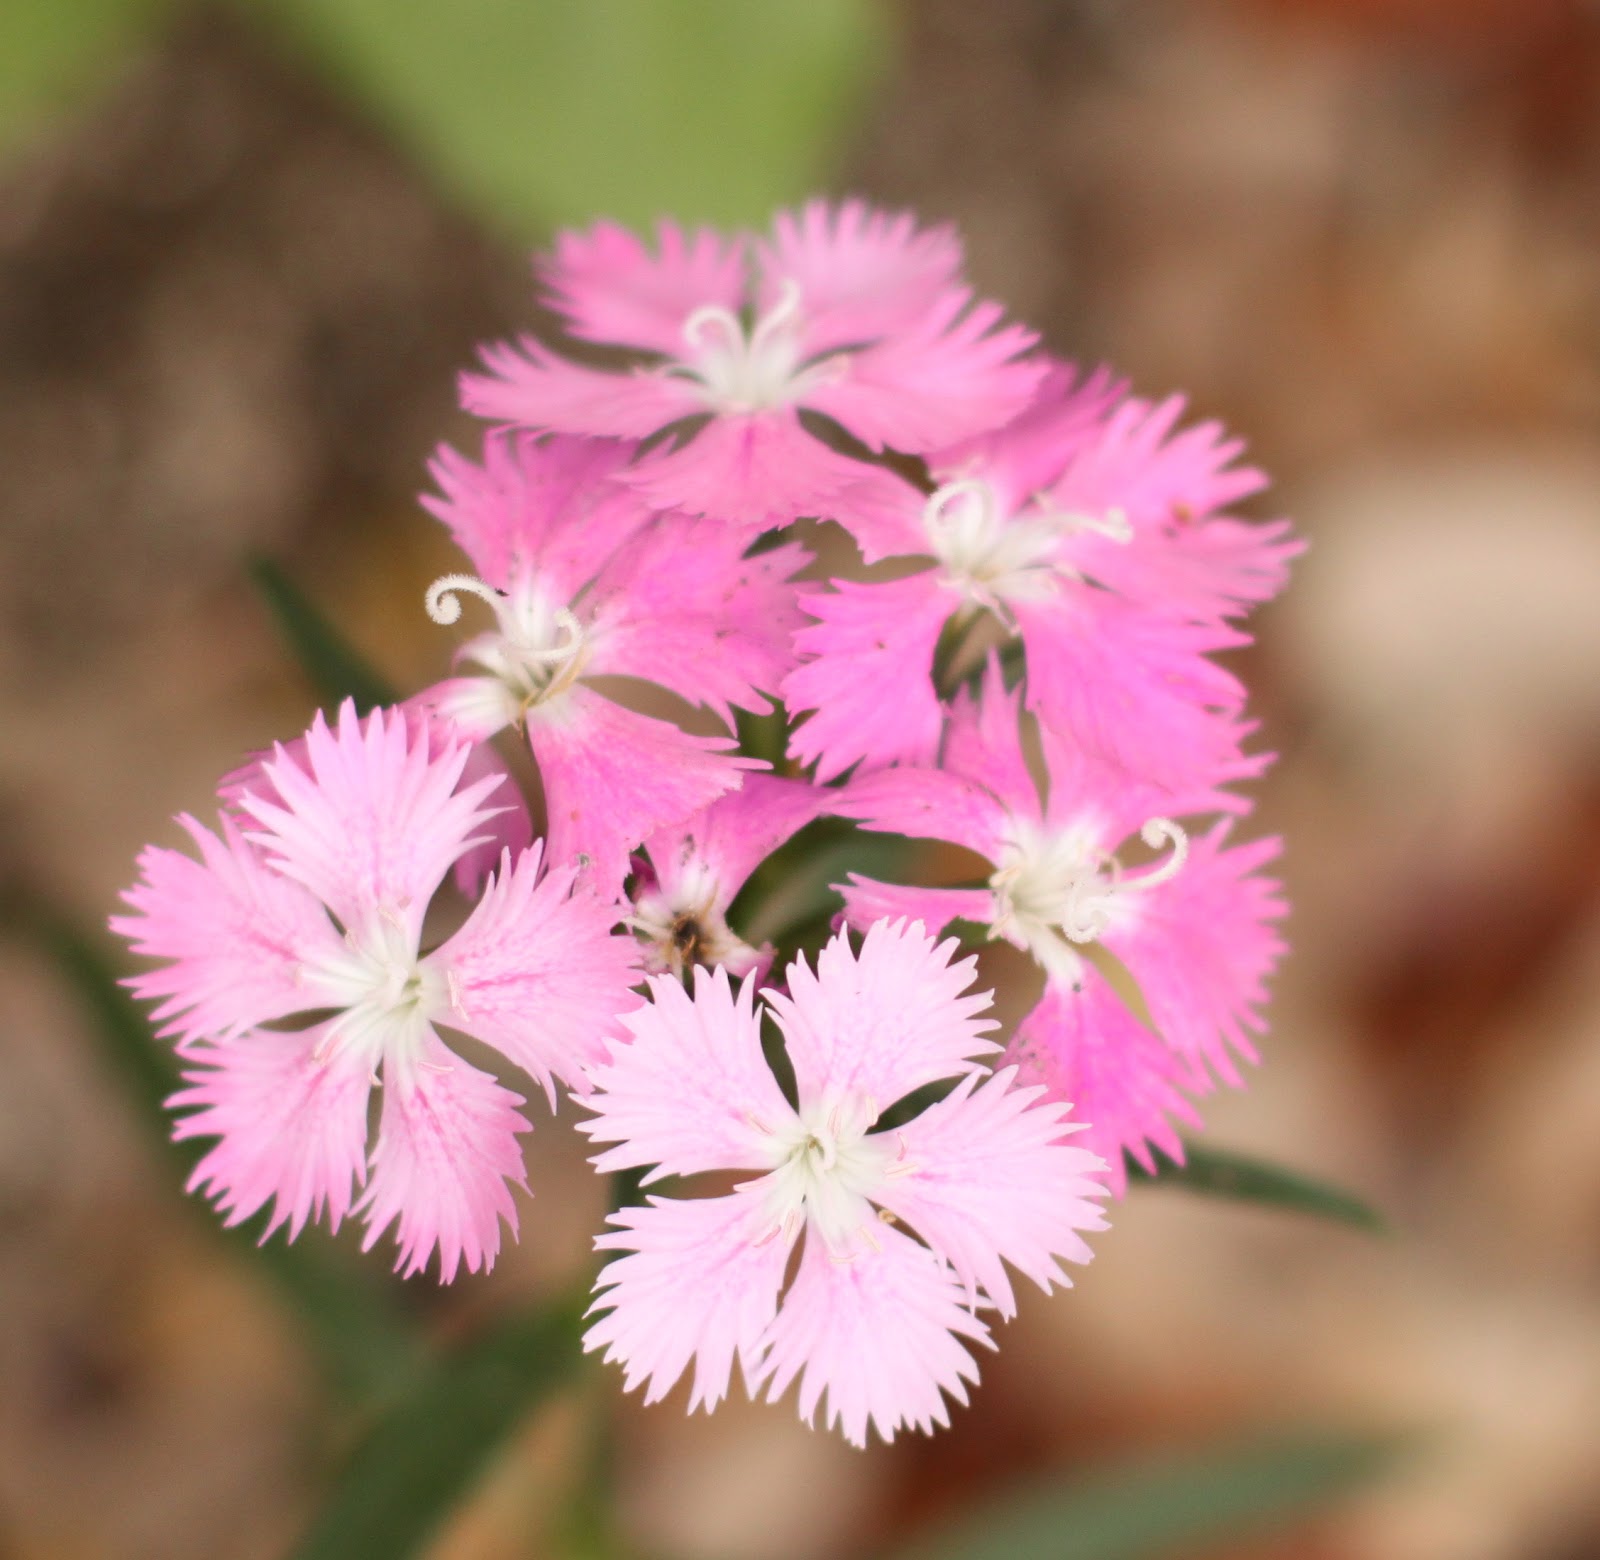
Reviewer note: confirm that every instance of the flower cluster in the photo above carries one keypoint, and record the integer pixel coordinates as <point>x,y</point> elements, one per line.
<point>1019,665</point>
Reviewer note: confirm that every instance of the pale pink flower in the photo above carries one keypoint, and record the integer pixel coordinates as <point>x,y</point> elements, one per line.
<point>584,581</point>
<point>874,1319</point>
<point>1193,928</point>
<point>1089,535</point>
<point>308,906</point>
<point>690,873</point>
<point>843,310</point>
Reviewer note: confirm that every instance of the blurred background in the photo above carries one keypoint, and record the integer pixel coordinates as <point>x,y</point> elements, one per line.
<point>244,250</point>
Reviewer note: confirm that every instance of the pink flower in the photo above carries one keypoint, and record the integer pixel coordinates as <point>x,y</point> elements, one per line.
<point>310,907</point>
<point>691,872</point>
<point>874,1319</point>
<point>1089,536</point>
<point>584,581</point>
<point>842,310</point>
<point>1194,929</point>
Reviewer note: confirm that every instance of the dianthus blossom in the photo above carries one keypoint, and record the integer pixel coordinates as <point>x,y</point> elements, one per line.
<point>295,983</point>
<point>904,1230</point>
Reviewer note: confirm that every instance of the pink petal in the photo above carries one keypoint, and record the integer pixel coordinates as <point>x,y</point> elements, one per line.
<point>613,777</point>
<point>883,513</point>
<point>1201,946</point>
<point>237,935</point>
<point>958,373</point>
<point>880,1335</point>
<point>693,1091</point>
<point>1134,689</point>
<point>866,901</point>
<point>292,1128</point>
<point>984,743</point>
<point>537,505</point>
<point>447,1149</point>
<point>528,386</point>
<point>700,1284</point>
<point>735,834</point>
<point>373,820</point>
<point>882,1022</point>
<point>862,273</point>
<point>537,973</point>
<point>986,1177</point>
<point>929,804</point>
<point>1091,1053</point>
<point>612,288</point>
<point>869,638</point>
<point>753,470</point>
<point>681,607</point>
<point>511,829</point>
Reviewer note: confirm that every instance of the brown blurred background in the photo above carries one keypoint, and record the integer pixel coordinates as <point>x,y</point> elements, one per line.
<point>1366,233</point>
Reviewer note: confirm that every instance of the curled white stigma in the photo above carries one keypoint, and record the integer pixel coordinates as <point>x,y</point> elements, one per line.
<point>443,599</point>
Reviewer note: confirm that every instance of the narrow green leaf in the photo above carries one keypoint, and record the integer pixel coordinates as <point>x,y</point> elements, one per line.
<point>335,670</point>
<point>364,1343</point>
<point>418,1463</point>
<point>1171,1505</point>
<point>548,111</point>
<point>1214,1172</point>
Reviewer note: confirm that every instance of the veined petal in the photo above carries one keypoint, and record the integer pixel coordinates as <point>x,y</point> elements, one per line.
<point>930,804</point>
<point>883,513</point>
<point>374,822</point>
<point>753,470</point>
<point>237,934</point>
<point>611,287</point>
<point>867,638</point>
<point>693,1090</point>
<point>510,829</point>
<point>956,373</point>
<point>446,1158</point>
<point>986,1176</point>
<point>681,607</point>
<point>700,1283</point>
<point>866,901</point>
<point>984,743</point>
<point>862,273</point>
<point>1201,946</point>
<point>537,973</point>
<point>1088,1051</point>
<point>291,1125</point>
<point>613,777</point>
<point>880,1335</point>
<point>883,1022</point>
<point>528,386</point>
<point>541,504</point>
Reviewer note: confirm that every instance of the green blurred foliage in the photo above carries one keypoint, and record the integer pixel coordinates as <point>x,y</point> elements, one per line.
<point>542,112</point>
<point>1217,1172</point>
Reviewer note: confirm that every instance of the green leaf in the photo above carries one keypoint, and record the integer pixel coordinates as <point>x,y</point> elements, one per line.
<point>418,1462</point>
<point>335,670</point>
<point>549,111</point>
<point>1214,1172</point>
<point>1171,1505</point>
<point>363,1341</point>
<point>54,50</point>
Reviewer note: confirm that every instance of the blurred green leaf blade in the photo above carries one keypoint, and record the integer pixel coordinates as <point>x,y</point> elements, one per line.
<point>424,1457</point>
<point>336,670</point>
<point>364,1343</point>
<point>544,112</point>
<point>1216,1172</point>
<point>1172,1505</point>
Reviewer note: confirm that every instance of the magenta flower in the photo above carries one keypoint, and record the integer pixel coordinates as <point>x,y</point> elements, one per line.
<point>873,1319</point>
<point>1194,928</point>
<point>842,310</point>
<point>690,873</point>
<point>584,581</point>
<point>309,907</point>
<point>1089,534</point>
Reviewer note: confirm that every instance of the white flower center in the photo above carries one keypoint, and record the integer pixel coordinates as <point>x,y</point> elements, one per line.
<point>387,993</point>
<point>743,370</point>
<point>993,558</point>
<point>688,927</point>
<point>1056,890</point>
<point>828,1168</point>
<point>536,650</point>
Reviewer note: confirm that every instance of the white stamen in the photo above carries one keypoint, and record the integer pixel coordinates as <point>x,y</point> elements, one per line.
<point>444,603</point>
